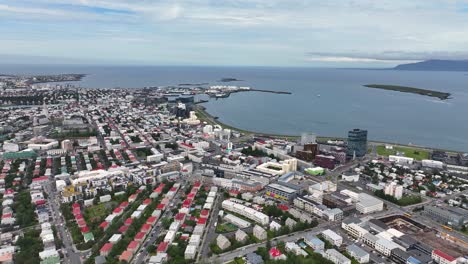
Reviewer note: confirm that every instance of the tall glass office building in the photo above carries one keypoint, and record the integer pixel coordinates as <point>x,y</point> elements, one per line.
<point>357,143</point>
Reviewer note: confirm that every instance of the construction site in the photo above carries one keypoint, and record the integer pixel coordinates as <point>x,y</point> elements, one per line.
<point>430,236</point>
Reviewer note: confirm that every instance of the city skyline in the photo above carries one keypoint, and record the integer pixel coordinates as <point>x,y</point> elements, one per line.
<point>251,33</point>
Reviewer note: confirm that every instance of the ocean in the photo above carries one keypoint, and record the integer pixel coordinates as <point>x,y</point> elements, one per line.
<point>328,102</point>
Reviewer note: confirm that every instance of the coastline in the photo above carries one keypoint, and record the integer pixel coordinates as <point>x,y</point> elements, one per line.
<point>204,116</point>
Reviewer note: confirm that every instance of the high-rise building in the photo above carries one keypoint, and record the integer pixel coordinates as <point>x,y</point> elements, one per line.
<point>308,153</point>
<point>394,190</point>
<point>357,143</point>
<point>308,138</point>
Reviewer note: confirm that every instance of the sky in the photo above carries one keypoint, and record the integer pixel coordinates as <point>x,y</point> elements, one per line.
<point>330,33</point>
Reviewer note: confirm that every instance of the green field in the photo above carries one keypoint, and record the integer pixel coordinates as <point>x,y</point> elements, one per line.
<point>96,212</point>
<point>415,153</point>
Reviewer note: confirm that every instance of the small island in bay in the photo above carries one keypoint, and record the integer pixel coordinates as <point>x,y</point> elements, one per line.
<point>230,80</point>
<point>406,89</point>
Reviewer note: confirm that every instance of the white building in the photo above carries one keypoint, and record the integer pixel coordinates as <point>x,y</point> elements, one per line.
<point>10,146</point>
<point>169,236</point>
<point>350,176</point>
<point>358,253</point>
<point>248,212</point>
<point>394,190</point>
<point>275,226</point>
<point>355,230</point>
<point>259,232</point>
<point>222,242</point>
<point>190,252</point>
<point>332,237</point>
<point>335,214</point>
<point>48,253</point>
<point>368,204</point>
<point>336,257</point>
<point>432,164</point>
<point>237,221</point>
<point>275,168</point>
<point>195,240</point>
<point>385,246</point>
<point>241,236</point>
<point>401,160</point>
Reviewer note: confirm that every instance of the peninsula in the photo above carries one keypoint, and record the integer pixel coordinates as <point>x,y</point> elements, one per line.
<point>435,65</point>
<point>413,90</point>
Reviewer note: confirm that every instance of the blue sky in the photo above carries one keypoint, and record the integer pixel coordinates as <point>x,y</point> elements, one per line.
<point>334,33</point>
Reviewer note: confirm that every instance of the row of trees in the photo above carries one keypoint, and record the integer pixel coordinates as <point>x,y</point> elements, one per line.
<point>404,201</point>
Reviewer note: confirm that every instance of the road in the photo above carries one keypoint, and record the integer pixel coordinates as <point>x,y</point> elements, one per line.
<point>72,256</point>
<point>156,230</point>
<point>228,256</point>
<point>210,229</point>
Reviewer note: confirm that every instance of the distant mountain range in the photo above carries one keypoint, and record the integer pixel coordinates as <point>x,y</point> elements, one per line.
<point>435,65</point>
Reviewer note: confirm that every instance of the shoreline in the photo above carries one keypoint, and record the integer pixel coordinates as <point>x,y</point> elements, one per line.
<point>204,116</point>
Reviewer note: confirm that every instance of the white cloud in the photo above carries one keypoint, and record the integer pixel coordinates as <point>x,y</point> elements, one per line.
<point>361,31</point>
<point>36,11</point>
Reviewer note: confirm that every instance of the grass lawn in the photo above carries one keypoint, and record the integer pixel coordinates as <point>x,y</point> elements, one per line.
<point>239,260</point>
<point>309,250</point>
<point>226,228</point>
<point>97,212</point>
<point>415,153</point>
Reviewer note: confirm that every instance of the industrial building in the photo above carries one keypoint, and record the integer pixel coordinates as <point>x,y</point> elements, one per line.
<point>447,215</point>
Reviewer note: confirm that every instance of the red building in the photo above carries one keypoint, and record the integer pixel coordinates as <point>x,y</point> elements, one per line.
<point>323,161</point>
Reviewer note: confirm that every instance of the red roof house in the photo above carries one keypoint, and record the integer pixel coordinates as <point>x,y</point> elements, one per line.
<point>123,229</point>
<point>151,220</point>
<point>145,228</point>
<point>201,221</point>
<point>105,249</point>
<point>81,223</point>
<point>84,229</point>
<point>180,217</point>
<point>76,211</point>
<point>438,254</point>
<point>162,247</point>
<point>128,221</point>
<point>117,211</point>
<point>275,253</point>
<point>204,213</point>
<point>104,225</point>
<point>123,205</point>
<point>132,198</point>
<point>126,256</point>
<point>140,236</point>
<point>133,246</point>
